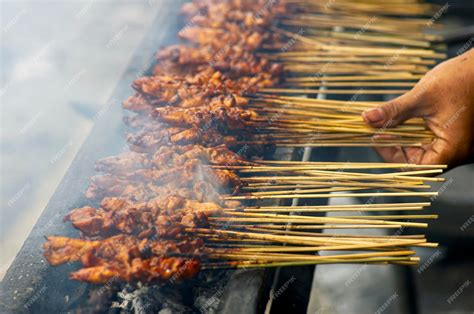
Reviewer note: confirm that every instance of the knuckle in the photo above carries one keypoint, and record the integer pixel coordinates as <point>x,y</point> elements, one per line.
<point>393,109</point>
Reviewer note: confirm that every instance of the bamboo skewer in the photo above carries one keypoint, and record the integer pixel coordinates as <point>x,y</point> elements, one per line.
<point>312,219</point>
<point>350,207</point>
<point>319,125</point>
<point>272,165</point>
<point>312,187</point>
<point>367,49</point>
<point>378,38</point>
<point>318,227</point>
<point>351,78</point>
<point>350,84</point>
<point>324,210</point>
<point>389,217</point>
<point>286,196</point>
<point>303,257</point>
<point>283,249</point>
<point>341,144</point>
<point>343,208</point>
<point>253,264</point>
<point>297,173</point>
<point>317,23</point>
<point>369,205</point>
<point>265,220</point>
<point>300,240</point>
<point>362,164</point>
<point>298,179</point>
<point>337,60</point>
<point>332,91</point>
<point>304,190</point>
<point>335,235</point>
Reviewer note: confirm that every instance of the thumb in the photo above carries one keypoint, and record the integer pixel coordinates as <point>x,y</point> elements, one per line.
<point>393,112</point>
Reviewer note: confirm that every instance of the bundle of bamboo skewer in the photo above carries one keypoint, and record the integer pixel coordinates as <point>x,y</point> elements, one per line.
<point>346,48</point>
<point>309,122</point>
<point>274,236</point>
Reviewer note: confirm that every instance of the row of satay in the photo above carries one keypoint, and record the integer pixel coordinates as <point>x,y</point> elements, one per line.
<point>188,114</point>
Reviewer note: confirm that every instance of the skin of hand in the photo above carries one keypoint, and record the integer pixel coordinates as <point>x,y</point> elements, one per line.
<point>444,98</point>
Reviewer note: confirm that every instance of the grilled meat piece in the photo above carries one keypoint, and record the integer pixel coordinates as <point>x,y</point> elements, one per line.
<point>122,163</point>
<point>231,60</point>
<point>198,90</point>
<point>60,250</point>
<point>218,116</point>
<point>150,138</point>
<point>214,37</point>
<point>185,175</point>
<point>155,269</point>
<point>248,14</point>
<point>167,156</point>
<point>114,186</point>
<point>125,258</point>
<point>164,217</point>
<point>208,137</point>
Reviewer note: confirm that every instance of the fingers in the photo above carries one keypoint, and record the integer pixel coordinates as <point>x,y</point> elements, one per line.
<point>409,155</point>
<point>414,154</point>
<point>438,153</point>
<point>391,154</point>
<point>394,112</point>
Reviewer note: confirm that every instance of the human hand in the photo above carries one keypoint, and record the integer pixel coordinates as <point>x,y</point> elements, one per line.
<point>444,98</point>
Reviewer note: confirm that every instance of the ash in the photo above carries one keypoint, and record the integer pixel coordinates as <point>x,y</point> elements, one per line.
<point>201,295</point>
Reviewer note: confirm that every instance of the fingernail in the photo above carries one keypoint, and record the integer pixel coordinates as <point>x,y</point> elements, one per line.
<point>374,115</point>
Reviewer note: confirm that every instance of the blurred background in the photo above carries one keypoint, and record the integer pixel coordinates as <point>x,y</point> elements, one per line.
<point>60,61</point>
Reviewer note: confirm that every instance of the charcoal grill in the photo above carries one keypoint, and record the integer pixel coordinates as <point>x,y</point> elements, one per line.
<point>31,285</point>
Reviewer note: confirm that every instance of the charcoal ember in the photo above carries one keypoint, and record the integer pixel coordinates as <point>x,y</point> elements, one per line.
<point>154,299</point>
<point>99,300</point>
<point>208,295</point>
